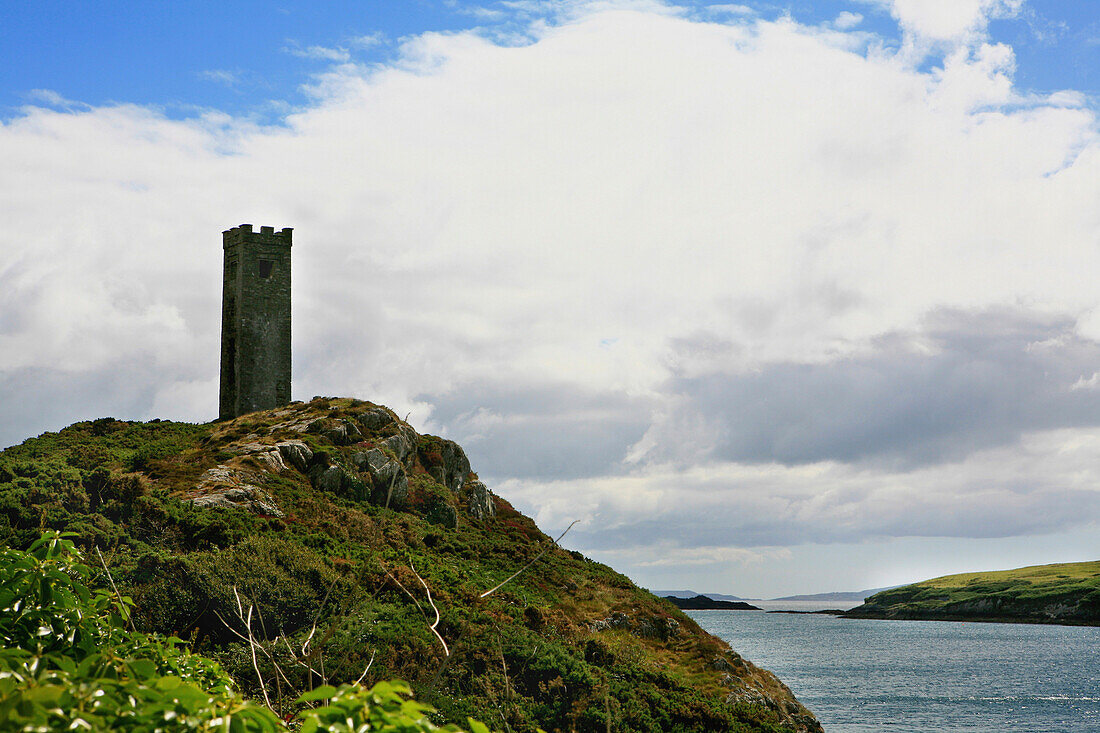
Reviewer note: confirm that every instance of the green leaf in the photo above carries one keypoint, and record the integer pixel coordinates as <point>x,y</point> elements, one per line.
<point>323,692</point>
<point>45,695</point>
<point>143,669</point>
<point>166,684</point>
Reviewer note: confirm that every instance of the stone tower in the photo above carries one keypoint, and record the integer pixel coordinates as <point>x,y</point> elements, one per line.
<point>255,320</point>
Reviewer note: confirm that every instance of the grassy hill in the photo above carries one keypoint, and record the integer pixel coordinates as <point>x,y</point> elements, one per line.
<point>350,547</point>
<point>1066,593</point>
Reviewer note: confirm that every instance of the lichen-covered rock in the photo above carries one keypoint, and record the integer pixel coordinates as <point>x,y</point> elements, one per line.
<point>340,432</point>
<point>659,628</point>
<point>479,500</point>
<point>651,627</point>
<point>446,462</point>
<point>376,418</point>
<point>249,498</point>
<point>388,477</point>
<point>390,472</point>
<point>393,493</point>
<point>617,620</point>
<point>296,453</point>
<point>331,479</point>
<point>224,487</point>
<point>267,456</point>
<point>335,479</point>
<point>399,445</point>
<point>456,466</point>
<point>364,460</point>
<point>731,663</point>
<point>412,438</point>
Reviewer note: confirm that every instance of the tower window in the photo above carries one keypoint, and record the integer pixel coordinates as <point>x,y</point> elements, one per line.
<point>265,268</point>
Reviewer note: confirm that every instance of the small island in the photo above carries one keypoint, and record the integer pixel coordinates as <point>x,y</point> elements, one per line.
<point>706,603</point>
<point>1065,593</point>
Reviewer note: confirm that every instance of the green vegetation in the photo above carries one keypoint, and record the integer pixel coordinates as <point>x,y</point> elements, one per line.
<point>1066,593</point>
<point>69,662</point>
<point>298,547</point>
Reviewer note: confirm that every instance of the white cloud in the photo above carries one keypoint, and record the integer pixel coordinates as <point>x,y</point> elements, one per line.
<point>847,20</point>
<point>53,99</point>
<point>369,40</point>
<point>730,9</point>
<point>948,20</point>
<point>1043,483</point>
<point>947,28</point>
<point>221,76</point>
<point>320,53</point>
<point>709,199</point>
<point>635,175</point>
<point>666,555</point>
<point>1092,382</point>
<point>477,11</point>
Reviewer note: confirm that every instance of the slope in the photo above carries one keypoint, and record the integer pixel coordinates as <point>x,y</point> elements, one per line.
<point>348,546</point>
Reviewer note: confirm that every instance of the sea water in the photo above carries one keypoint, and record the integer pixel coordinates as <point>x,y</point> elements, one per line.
<point>870,676</point>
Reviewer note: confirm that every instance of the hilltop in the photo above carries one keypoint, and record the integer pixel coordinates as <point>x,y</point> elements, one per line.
<point>366,550</point>
<point>1065,593</point>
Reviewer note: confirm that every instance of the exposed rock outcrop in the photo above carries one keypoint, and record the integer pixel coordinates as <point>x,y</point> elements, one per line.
<point>340,432</point>
<point>446,462</point>
<point>296,453</point>
<point>335,479</point>
<point>224,487</point>
<point>267,456</point>
<point>479,500</point>
<point>750,684</point>
<point>389,480</point>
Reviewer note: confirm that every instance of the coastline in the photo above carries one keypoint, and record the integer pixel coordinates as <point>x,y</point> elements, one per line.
<point>958,618</point>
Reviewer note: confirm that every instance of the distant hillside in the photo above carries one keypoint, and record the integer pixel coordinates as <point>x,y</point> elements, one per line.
<point>693,594</point>
<point>379,551</point>
<point>846,596</point>
<point>705,603</point>
<point>841,596</point>
<point>1067,593</point>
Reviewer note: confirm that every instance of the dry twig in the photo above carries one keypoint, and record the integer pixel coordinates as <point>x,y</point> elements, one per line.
<point>507,687</point>
<point>529,564</point>
<point>367,668</point>
<point>121,605</point>
<point>446,651</point>
<point>393,480</point>
<point>252,644</point>
<point>432,626</point>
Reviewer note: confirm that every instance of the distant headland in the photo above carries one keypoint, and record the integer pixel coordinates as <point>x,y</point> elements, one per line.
<point>1065,593</point>
<point>705,603</point>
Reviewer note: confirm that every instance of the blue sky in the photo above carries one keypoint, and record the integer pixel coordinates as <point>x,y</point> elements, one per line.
<point>775,298</point>
<point>253,57</point>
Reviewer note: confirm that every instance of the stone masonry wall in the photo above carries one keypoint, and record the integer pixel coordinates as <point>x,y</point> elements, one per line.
<point>256,368</point>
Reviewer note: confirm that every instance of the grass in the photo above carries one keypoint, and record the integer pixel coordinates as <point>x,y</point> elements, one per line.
<point>1067,593</point>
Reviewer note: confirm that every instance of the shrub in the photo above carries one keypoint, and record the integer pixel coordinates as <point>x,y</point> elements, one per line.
<point>67,661</point>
